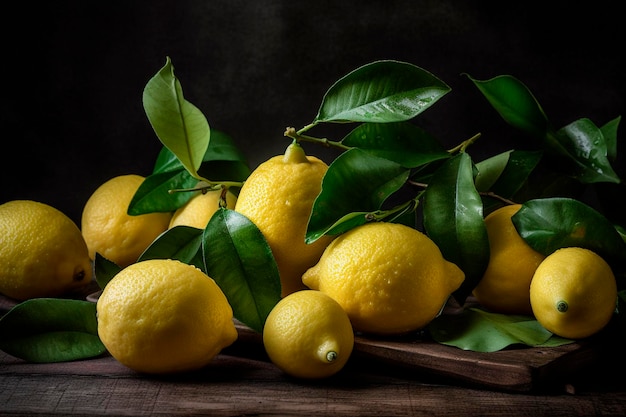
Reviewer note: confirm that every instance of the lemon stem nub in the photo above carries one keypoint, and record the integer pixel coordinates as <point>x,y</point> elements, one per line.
<point>294,154</point>
<point>327,352</point>
<point>562,306</point>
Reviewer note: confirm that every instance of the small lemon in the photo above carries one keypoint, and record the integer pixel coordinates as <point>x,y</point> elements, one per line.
<point>200,208</point>
<point>308,335</point>
<point>278,198</point>
<point>108,228</point>
<point>573,293</point>
<point>389,278</point>
<point>164,316</point>
<point>42,252</point>
<point>504,287</point>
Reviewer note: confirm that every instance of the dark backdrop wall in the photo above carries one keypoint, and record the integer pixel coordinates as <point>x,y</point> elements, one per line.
<point>74,72</point>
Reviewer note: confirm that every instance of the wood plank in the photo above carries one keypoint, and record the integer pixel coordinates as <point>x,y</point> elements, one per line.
<point>232,385</point>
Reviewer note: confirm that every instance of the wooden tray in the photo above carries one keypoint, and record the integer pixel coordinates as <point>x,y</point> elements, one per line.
<point>521,369</point>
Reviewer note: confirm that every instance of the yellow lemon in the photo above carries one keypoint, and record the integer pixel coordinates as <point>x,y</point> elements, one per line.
<point>389,278</point>
<point>200,208</point>
<point>108,228</point>
<point>573,293</point>
<point>278,198</point>
<point>164,316</point>
<point>308,335</point>
<point>504,287</point>
<point>42,252</point>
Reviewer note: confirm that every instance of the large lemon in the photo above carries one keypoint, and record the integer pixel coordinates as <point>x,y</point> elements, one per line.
<point>278,198</point>
<point>504,287</point>
<point>573,293</point>
<point>308,335</point>
<point>108,228</point>
<point>389,278</point>
<point>42,252</point>
<point>164,316</point>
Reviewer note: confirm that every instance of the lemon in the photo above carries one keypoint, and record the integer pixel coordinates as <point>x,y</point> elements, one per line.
<point>308,335</point>
<point>108,228</point>
<point>278,198</point>
<point>504,287</point>
<point>389,278</point>
<point>573,293</point>
<point>200,208</point>
<point>163,316</point>
<point>42,252</point>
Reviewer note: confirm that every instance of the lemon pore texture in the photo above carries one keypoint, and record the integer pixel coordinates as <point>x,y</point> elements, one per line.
<point>308,335</point>
<point>504,287</point>
<point>164,316</point>
<point>389,278</point>
<point>278,198</point>
<point>108,228</point>
<point>42,252</point>
<point>573,293</point>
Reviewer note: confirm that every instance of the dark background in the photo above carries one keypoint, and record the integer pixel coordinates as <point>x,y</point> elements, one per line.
<point>74,72</point>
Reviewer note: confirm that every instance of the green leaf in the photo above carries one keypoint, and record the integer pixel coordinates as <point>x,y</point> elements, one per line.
<point>179,125</point>
<point>183,243</point>
<point>515,104</point>
<point>583,143</point>
<point>153,195</point>
<point>104,270</point>
<point>222,161</point>
<point>551,223</point>
<point>480,331</point>
<point>401,142</point>
<point>239,259</point>
<point>356,183</point>
<point>609,132</point>
<point>221,148</point>
<point>453,219</point>
<point>46,330</point>
<point>504,175</point>
<point>381,92</point>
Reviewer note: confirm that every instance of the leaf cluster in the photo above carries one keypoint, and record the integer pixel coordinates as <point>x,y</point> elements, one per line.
<point>388,168</point>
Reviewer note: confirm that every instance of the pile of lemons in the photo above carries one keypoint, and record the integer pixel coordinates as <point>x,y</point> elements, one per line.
<point>162,316</point>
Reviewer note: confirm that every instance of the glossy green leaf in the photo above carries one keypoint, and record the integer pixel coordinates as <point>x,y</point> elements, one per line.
<point>515,104</point>
<point>609,132</point>
<point>179,125</point>
<point>45,330</point>
<point>551,223</point>
<point>356,183</point>
<point>583,143</point>
<point>154,194</point>
<point>239,259</point>
<point>453,219</point>
<point>221,148</point>
<point>480,331</point>
<point>183,243</point>
<point>401,142</point>
<point>104,270</point>
<point>222,161</point>
<point>504,174</point>
<point>381,92</point>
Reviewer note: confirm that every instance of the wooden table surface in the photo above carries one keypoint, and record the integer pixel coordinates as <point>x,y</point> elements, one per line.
<point>242,381</point>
